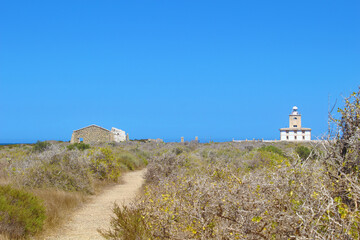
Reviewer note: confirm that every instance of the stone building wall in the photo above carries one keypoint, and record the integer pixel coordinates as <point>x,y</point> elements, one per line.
<point>92,134</point>
<point>295,121</point>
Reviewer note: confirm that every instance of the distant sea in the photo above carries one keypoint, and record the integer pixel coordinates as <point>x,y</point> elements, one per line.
<point>13,143</point>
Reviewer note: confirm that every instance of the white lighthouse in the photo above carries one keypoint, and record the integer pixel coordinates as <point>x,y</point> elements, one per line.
<point>295,132</point>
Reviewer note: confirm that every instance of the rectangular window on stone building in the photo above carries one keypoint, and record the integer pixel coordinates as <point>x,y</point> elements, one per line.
<point>295,137</point>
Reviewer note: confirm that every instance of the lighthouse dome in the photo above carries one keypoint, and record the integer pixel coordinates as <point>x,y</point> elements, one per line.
<point>295,110</point>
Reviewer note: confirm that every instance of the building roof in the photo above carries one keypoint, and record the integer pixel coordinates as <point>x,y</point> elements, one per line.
<point>293,129</point>
<point>116,129</point>
<point>92,125</point>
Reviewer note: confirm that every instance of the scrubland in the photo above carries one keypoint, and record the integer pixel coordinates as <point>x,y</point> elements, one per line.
<point>251,191</point>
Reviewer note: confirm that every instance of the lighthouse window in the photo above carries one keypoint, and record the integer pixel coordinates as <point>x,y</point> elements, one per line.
<point>295,125</point>
<point>295,118</point>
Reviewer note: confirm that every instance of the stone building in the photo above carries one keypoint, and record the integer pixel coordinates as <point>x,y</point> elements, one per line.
<point>295,132</point>
<point>96,134</point>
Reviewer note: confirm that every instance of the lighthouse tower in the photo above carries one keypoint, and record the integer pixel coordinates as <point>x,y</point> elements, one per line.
<point>295,132</point>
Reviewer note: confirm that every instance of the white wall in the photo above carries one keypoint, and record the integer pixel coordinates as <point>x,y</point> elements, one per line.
<point>282,135</point>
<point>119,135</point>
<point>299,135</point>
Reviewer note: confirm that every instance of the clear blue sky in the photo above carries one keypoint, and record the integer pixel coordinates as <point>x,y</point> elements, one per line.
<point>219,69</point>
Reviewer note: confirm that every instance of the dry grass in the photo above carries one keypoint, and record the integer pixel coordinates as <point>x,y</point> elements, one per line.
<point>4,237</point>
<point>4,178</point>
<point>59,205</point>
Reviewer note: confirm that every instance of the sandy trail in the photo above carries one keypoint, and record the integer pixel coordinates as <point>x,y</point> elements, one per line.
<point>97,213</point>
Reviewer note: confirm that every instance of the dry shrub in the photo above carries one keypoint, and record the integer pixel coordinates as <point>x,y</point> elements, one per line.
<point>74,170</point>
<point>341,160</point>
<point>164,166</point>
<point>222,201</point>
<point>54,168</point>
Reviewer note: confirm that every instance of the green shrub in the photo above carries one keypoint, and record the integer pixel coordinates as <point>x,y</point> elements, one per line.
<point>272,149</point>
<point>141,155</point>
<point>83,146</point>
<point>71,146</point>
<point>21,213</point>
<point>178,150</point>
<point>128,160</point>
<point>80,146</point>
<point>303,152</point>
<point>263,159</point>
<point>40,146</point>
<point>108,165</point>
<point>104,164</point>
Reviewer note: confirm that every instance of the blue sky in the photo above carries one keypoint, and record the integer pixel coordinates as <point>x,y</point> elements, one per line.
<point>213,69</point>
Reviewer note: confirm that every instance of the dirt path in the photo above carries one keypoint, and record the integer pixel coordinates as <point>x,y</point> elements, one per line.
<point>96,214</point>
